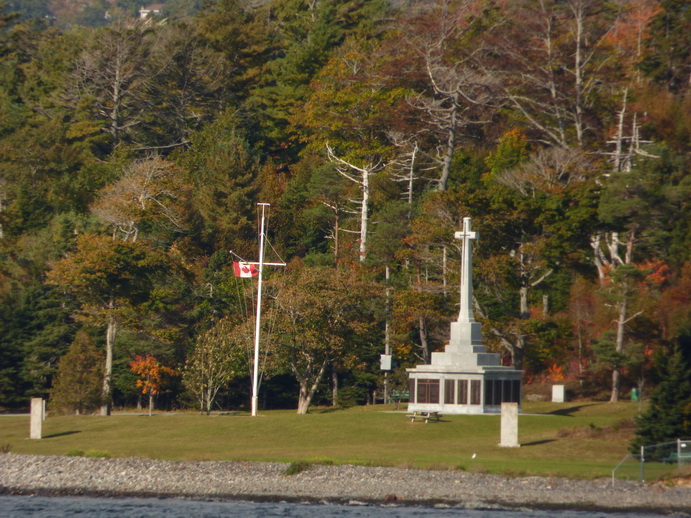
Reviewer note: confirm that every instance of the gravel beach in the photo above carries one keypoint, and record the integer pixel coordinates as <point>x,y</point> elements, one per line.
<point>262,481</point>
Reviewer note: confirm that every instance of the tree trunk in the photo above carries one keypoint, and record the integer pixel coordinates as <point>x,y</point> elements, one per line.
<point>107,403</point>
<point>450,148</point>
<point>524,308</point>
<point>518,352</point>
<point>337,229</point>
<point>151,404</point>
<point>334,386</point>
<point>623,317</point>
<point>424,342</point>
<point>521,340</point>
<point>305,396</point>
<point>364,216</point>
<point>616,382</point>
<point>209,399</point>
<point>579,14</point>
<point>619,346</point>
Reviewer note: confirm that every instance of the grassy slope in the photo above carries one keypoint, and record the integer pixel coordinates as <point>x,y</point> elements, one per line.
<point>570,439</point>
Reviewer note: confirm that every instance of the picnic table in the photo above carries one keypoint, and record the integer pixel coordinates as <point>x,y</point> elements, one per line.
<point>427,416</point>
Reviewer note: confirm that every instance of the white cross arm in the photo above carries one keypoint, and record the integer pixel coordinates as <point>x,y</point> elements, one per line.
<point>465,235</point>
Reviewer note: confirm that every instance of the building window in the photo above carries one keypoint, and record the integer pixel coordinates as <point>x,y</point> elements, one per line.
<point>506,395</point>
<point>515,391</point>
<point>475,392</point>
<point>502,391</point>
<point>489,392</point>
<point>450,392</point>
<point>462,398</point>
<point>428,391</point>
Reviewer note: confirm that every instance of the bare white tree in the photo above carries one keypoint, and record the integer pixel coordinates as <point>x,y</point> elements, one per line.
<point>360,175</point>
<point>149,188</point>
<point>557,67</point>
<point>111,75</point>
<point>547,169</point>
<point>460,94</point>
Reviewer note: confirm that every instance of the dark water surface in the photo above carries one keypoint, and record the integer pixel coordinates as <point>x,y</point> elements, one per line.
<point>48,507</point>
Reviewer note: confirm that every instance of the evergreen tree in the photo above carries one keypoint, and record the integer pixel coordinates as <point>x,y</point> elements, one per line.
<point>77,386</point>
<point>669,415</point>
<point>667,52</point>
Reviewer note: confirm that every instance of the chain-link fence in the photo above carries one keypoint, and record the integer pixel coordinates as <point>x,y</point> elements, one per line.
<point>655,461</point>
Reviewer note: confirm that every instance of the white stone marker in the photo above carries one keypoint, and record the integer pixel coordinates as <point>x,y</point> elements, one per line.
<point>558,394</point>
<point>36,418</point>
<point>509,425</point>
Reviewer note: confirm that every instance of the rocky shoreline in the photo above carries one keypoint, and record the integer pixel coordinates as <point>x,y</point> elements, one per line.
<point>267,481</point>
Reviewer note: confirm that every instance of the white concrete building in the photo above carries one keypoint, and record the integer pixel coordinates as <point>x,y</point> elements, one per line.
<point>150,11</point>
<point>464,378</point>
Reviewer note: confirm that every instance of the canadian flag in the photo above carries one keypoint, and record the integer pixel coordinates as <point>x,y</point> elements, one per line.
<point>244,270</point>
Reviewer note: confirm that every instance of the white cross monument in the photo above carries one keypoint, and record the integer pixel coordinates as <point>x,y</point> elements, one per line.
<point>464,378</point>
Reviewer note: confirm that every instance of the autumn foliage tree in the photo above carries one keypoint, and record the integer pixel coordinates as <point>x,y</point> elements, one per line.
<point>111,278</point>
<point>133,153</point>
<point>322,316</point>
<point>152,376</point>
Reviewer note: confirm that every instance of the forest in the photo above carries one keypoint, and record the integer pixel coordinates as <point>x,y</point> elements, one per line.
<point>134,151</point>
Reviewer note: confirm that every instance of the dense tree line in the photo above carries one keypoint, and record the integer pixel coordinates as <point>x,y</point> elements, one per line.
<point>133,153</point>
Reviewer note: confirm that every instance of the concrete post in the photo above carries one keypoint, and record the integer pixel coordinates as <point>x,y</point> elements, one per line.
<point>37,410</point>
<point>509,425</point>
<point>558,394</point>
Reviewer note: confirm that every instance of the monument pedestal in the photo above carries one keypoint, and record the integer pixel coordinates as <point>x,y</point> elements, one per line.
<point>464,378</point>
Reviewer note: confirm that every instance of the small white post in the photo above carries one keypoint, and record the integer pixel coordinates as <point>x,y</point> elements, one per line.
<point>37,416</point>
<point>509,425</point>
<point>558,394</point>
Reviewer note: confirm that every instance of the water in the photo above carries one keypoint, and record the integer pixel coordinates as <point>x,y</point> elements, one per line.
<point>49,507</point>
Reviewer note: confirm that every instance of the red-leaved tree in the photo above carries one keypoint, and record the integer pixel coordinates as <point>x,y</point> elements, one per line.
<point>152,376</point>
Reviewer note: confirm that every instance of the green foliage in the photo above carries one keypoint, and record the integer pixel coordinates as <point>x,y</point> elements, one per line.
<point>74,452</point>
<point>648,200</point>
<point>27,8</point>
<point>189,86</point>
<point>165,135</point>
<point>222,170</point>
<point>667,51</point>
<point>323,317</point>
<point>297,467</point>
<point>669,415</point>
<point>79,378</point>
<point>219,355</point>
<point>608,358</point>
<point>102,270</point>
<point>97,454</point>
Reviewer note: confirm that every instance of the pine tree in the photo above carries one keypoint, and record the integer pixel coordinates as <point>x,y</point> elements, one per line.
<point>77,386</point>
<point>669,415</point>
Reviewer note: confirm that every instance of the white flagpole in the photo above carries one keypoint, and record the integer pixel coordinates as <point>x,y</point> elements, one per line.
<point>255,377</point>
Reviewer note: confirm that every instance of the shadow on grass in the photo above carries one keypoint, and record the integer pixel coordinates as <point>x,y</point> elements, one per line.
<point>330,410</point>
<point>568,412</point>
<point>535,443</point>
<point>52,435</point>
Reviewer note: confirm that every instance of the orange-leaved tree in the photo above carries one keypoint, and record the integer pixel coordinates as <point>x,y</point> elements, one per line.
<point>152,376</point>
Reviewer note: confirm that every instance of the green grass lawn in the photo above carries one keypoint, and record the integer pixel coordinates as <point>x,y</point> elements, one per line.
<point>584,439</point>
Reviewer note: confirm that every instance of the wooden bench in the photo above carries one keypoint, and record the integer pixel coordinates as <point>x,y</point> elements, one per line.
<point>427,416</point>
<point>399,395</point>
